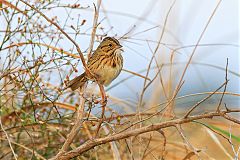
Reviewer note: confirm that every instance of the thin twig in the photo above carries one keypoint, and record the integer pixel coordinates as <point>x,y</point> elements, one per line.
<point>14,7</point>
<point>147,147</point>
<point>203,100</point>
<point>64,33</point>
<point>225,87</point>
<point>28,149</point>
<point>136,74</point>
<point>95,24</point>
<point>188,156</point>
<point>113,145</point>
<point>196,46</point>
<point>190,146</point>
<point>77,125</point>
<point>8,139</point>
<point>154,53</point>
<point>164,143</point>
<point>216,140</point>
<point>214,131</point>
<point>101,120</point>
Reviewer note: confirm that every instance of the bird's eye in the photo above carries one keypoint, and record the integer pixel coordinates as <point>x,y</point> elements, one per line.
<point>110,45</point>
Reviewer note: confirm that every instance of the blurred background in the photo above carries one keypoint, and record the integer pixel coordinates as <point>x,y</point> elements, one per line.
<point>159,38</point>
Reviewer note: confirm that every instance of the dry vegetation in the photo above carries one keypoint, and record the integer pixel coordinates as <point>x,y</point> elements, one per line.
<point>39,119</point>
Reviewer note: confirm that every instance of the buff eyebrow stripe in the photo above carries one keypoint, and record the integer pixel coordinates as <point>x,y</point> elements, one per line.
<point>103,46</point>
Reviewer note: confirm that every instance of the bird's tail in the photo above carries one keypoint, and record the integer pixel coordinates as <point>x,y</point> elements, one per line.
<point>77,82</point>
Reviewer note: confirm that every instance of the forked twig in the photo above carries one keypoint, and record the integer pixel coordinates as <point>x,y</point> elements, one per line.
<point>203,100</point>
<point>190,146</point>
<point>63,32</point>
<point>12,6</point>
<point>147,147</point>
<point>210,95</point>
<point>225,87</point>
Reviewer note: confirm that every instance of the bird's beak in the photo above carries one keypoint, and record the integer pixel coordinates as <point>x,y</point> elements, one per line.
<point>120,46</point>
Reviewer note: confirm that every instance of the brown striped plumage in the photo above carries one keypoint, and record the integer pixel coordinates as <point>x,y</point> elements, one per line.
<point>106,64</point>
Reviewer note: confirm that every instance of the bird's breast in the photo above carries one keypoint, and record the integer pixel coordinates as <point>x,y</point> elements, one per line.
<point>111,68</point>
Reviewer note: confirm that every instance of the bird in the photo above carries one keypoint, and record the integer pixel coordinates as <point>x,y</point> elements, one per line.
<point>105,64</point>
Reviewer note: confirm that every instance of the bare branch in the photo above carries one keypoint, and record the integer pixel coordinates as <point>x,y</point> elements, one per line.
<point>190,146</point>
<point>154,127</point>
<point>225,87</point>
<point>95,24</point>
<point>63,32</point>
<point>203,100</point>
<point>8,139</point>
<point>77,125</point>
<point>195,48</point>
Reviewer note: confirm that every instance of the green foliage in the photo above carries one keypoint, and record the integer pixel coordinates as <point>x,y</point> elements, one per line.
<point>224,132</point>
